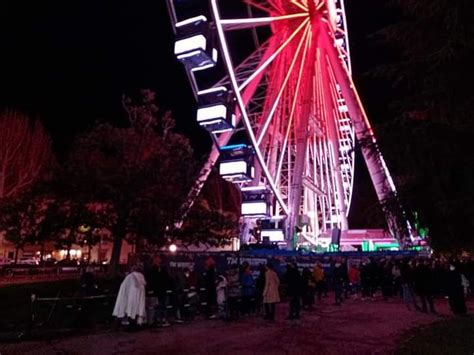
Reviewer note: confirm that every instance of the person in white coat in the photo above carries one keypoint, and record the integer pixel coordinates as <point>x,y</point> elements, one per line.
<point>271,293</point>
<point>130,303</point>
<point>221,288</point>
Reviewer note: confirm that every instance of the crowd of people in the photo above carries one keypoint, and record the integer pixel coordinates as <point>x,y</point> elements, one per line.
<point>158,296</point>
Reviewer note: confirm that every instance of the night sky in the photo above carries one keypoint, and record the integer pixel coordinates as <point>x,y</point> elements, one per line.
<point>69,62</point>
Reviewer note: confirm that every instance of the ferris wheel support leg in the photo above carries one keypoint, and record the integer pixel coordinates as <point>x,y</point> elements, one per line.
<point>378,171</point>
<point>202,178</point>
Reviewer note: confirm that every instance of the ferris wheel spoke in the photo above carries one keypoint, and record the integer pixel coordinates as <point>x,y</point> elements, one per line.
<point>300,4</point>
<point>267,62</point>
<point>264,6</point>
<point>243,23</point>
<point>268,119</point>
<point>293,107</point>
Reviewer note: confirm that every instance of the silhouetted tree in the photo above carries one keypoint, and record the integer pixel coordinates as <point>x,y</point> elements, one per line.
<point>21,219</point>
<point>25,152</point>
<point>143,172</point>
<point>429,134</point>
<point>205,225</point>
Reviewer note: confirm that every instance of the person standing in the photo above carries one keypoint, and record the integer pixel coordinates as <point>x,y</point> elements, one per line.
<point>396,276</point>
<point>221,297</point>
<point>151,278</point>
<point>248,290</point>
<point>424,286</point>
<point>318,276</point>
<point>260,286</point>
<point>354,280</point>
<point>455,290</point>
<point>88,305</point>
<point>345,277</point>
<point>364,279</point>
<point>294,283</point>
<point>407,281</point>
<point>234,293</point>
<point>308,289</point>
<point>210,285</point>
<point>386,279</point>
<point>338,282</point>
<point>130,303</point>
<point>271,293</point>
<point>163,288</point>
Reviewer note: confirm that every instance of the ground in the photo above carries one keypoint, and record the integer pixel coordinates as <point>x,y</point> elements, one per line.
<point>356,327</point>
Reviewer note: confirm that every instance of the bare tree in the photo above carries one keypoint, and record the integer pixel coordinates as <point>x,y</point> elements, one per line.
<point>25,151</point>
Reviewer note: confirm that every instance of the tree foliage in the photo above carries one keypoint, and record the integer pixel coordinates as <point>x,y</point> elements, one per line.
<point>428,136</point>
<point>75,222</point>
<point>206,226</point>
<point>214,218</point>
<point>24,220</point>
<point>143,172</point>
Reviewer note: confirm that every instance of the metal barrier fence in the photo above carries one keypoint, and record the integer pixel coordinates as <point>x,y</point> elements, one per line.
<point>67,312</point>
<point>13,271</point>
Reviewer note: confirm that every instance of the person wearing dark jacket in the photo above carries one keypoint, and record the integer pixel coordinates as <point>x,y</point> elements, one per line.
<point>161,285</point>
<point>307,289</point>
<point>424,286</point>
<point>455,290</point>
<point>386,279</point>
<point>259,287</point>
<point>210,285</point>
<point>248,290</point>
<point>407,281</point>
<point>294,283</point>
<point>88,305</point>
<point>338,282</point>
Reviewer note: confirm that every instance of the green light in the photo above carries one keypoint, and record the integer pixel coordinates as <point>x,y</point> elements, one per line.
<point>368,245</point>
<point>365,245</point>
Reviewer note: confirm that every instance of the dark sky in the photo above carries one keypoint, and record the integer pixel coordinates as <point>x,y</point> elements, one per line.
<point>69,62</point>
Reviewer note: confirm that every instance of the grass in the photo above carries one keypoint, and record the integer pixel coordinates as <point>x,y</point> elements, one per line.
<point>453,336</point>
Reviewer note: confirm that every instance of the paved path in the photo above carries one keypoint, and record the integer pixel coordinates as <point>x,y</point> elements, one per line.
<point>356,327</point>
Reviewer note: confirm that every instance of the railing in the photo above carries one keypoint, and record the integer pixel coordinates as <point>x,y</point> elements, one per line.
<point>33,271</point>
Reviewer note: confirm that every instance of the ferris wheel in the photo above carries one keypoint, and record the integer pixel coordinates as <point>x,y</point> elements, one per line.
<point>294,98</point>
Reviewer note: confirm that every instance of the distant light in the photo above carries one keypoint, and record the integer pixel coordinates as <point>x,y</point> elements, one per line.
<point>173,248</point>
<point>84,228</point>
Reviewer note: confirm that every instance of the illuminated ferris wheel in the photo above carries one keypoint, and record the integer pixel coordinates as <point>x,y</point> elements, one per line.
<point>294,98</point>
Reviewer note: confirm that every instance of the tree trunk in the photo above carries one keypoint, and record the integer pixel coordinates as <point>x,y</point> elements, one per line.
<point>16,254</point>
<point>119,236</point>
<point>42,253</point>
